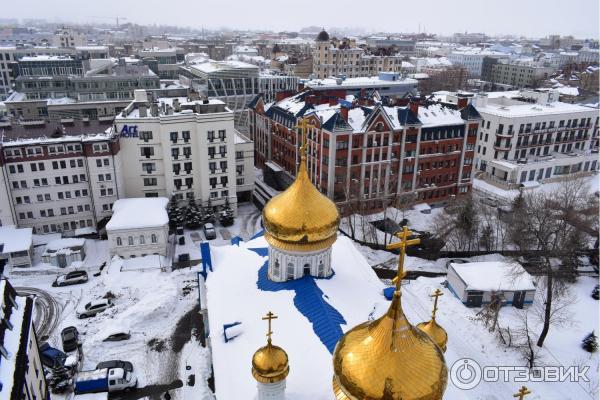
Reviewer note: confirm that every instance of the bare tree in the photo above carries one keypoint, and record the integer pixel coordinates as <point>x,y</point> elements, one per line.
<point>459,225</point>
<point>524,341</point>
<point>563,297</point>
<point>541,222</point>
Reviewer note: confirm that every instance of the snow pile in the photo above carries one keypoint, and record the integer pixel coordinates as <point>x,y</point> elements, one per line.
<point>138,213</point>
<point>60,244</point>
<point>13,239</point>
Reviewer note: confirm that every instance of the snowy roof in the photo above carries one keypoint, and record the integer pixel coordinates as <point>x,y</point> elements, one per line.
<point>59,244</point>
<point>531,110</point>
<point>301,332</point>
<point>358,82</point>
<point>137,213</point>
<point>494,275</point>
<point>438,114</point>
<point>13,239</point>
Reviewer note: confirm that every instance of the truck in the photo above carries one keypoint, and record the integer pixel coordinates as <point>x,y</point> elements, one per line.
<point>105,380</point>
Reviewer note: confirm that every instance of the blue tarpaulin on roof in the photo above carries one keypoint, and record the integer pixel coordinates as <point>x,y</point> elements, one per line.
<point>206,258</point>
<point>310,301</point>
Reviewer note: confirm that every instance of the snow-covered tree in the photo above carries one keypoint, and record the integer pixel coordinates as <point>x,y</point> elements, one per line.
<point>596,293</point>
<point>226,214</point>
<point>590,343</point>
<point>175,213</point>
<point>193,214</point>
<point>208,213</point>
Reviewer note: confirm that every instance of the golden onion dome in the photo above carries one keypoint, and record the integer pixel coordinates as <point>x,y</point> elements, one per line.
<point>435,332</point>
<point>301,216</point>
<point>270,364</point>
<point>388,358</point>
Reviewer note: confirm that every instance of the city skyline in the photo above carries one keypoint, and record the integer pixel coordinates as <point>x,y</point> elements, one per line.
<point>509,17</point>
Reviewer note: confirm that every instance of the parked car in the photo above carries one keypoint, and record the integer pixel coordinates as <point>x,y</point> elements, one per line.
<point>209,231</point>
<point>126,365</point>
<point>70,338</point>
<point>94,307</point>
<point>117,337</point>
<point>51,357</point>
<point>105,380</point>
<point>490,201</point>
<point>71,278</point>
<point>456,261</point>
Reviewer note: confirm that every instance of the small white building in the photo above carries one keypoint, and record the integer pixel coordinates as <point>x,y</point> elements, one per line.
<point>21,372</point>
<point>476,283</point>
<point>63,252</point>
<point>138,227</point>
<point>16,246</point>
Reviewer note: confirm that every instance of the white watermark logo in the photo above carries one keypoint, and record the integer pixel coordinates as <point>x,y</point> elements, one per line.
<point>466,374</point>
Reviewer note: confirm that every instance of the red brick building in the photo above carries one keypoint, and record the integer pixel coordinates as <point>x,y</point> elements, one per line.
<point>371,156</point>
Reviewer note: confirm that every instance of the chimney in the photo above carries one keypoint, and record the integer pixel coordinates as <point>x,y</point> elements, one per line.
<point>333,101</point>
<point>176,105</point>
<point>481,100</point>
<point>413,105</point>
<point>140,96</point>
<point>300,86</point>
<point>344,112</point>
<point>154,109</point>
<point>461,101</point>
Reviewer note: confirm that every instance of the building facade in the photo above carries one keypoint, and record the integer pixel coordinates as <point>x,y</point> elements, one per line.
<point>531,136</point>
<point>19,352</point>
<point>371,156</point>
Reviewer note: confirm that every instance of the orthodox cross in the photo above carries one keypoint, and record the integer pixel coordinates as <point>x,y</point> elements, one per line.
<point>269,317</point>
<point>522,393</point>
<point>303,125</point>
<point>435,294</point>
<point>402,245</point>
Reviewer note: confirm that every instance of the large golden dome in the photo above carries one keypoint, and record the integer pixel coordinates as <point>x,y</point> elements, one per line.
<point>301,216</point>
<point>270,364</point>
<point>388,358</point>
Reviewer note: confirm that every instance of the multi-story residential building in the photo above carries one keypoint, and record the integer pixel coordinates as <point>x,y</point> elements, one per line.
<point>344,58</point>
<point>181,146</point>
<point>164,62</point>
<point>22,370</point>
<point>472,59</point>
<point>402,45</point>
<point>469,38</point>
<point>516,74</point>
<point>68,37</point>
<point>372,154</point>
<point>531,136</point>
<point>60,178</point>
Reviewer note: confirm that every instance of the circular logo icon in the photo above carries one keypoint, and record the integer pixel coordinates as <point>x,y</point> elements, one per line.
<point>465,373</point>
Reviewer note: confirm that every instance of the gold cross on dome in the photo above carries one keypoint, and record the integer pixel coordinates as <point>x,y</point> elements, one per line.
<point>303,125</point>
<point>522,393</point>
<point>269,317</point>
<point>403,235</point>
<point>437,295</point>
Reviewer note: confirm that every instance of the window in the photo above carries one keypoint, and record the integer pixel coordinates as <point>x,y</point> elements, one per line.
<point>119,241</point>
<point>150,182</point>
<point>130,240</point>
<point>147,151</point>
<point>185,135</point>
<point>239,155</point>
<point>153,238</point>
<point>210,135</point>
<point>146,135</point>
<point>173,136</point>
<point>175,152</point>
<point>222,135</point>
<point>142,239</point>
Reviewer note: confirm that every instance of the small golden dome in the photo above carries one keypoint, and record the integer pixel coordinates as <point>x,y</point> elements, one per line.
<point>301,216</point>
<point>388,358</point>
<point>270,364</point>
<point>435,332</point>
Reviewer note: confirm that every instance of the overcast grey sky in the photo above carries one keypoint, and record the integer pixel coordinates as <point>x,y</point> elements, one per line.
<point>534,18</point>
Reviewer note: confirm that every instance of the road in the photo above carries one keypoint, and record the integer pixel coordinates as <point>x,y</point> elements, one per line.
<point>248,223</point>
<point>47,310</point>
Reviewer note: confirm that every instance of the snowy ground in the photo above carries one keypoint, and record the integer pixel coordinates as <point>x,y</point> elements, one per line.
<point>469,338</point>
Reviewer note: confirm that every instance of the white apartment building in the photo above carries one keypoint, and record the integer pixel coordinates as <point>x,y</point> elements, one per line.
<point>529,136</point>
<point>180,146</point>
<point>472,59</point>
<point>59,178</point>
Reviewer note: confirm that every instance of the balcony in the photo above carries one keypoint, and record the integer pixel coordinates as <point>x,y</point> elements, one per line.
<point>502,147</point>
<point>504,134</point>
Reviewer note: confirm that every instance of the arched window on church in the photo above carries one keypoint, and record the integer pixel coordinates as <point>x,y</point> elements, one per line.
<point>321,268</point>
<point>276,268</point>
<point>119,242</point>
<point>142,239</point>
<point>130,240</point>
<point>290,271</point>
<point>153,238</point>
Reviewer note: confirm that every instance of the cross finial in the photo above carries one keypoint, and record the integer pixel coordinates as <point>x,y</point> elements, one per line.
<point>403,235</point>
<point>522,393</point>
<point>436,295</point>
<point>269,317</point>
<point>303,125</point>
